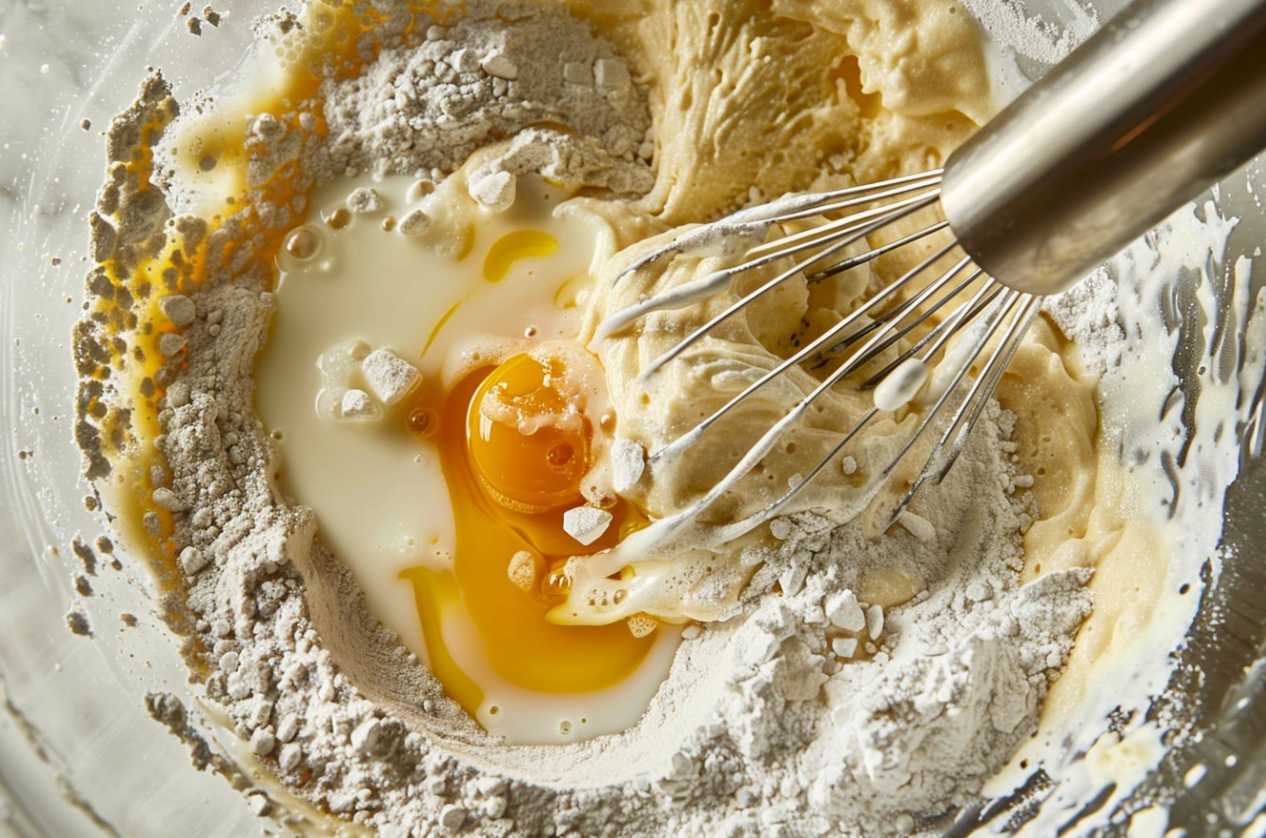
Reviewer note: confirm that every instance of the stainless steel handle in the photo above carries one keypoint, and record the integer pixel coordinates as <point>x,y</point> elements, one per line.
<point>1167,99</point>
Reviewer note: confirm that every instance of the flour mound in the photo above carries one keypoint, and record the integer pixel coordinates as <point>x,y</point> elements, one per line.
<point>432,104</point>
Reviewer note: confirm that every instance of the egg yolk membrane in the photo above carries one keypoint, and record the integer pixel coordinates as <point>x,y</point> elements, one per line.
<point>456,424</point>
<point>515,445</point>
<point>528,437</point>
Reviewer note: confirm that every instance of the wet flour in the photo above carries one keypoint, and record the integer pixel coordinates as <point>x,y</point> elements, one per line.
<point>821,708</point>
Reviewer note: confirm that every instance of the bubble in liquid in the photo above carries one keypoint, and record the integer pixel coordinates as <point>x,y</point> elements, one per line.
<point>422,422</point>
<point>303,243</point>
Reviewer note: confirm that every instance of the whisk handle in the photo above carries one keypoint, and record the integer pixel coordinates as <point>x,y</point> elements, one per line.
<point>1167,99</point>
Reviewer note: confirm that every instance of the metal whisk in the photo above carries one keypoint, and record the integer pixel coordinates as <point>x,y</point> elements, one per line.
<point>1166,100</point>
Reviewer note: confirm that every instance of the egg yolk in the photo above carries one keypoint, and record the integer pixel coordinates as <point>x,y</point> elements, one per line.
<point>528,441</point>
<point>514,443</point>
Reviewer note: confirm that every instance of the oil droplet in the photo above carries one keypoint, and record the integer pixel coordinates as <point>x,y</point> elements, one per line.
<point>573,292</point>
<point>339,219</point>
<point>510,248</point>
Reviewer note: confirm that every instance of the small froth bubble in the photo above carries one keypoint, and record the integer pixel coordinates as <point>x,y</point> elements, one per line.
<point>560,455</point>
<point>557,583</point>
<point>422,422</point>
<point>303,243</point>
<point>564,727</point>
<point>419,190</point>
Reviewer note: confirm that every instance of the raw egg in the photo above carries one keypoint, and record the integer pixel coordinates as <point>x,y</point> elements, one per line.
<point>431,407</point>
<point>514,446</point>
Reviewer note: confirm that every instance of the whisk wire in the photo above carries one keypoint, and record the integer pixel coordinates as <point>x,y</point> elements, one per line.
<point>800,206</point>
<point>759,517</point>
<point>931,188</point>
<point>976,400</point>
<point>770,438</point>
<point>953,325</point>
<point>807,351</point>
<point>945,329</point>
<point>902,309</point>
<point>754,222</point>
<point>1026,308</point>
<point>621,318</point>
<point>954,437</point>
<point>876,252</point>
<point>873,328</point>
<point>968,351</point>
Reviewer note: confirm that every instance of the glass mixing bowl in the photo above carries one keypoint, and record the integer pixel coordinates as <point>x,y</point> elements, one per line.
<point>79,756</point>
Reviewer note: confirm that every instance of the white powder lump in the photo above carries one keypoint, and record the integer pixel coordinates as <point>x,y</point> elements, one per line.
<point>628,462</point>
<point>569,161</point>
<point>390,376</point>
<point>493,190</point>
<point>178,308</point>
<point>364,201</point>
<point>522,570</point>
<point>586,524</point>
<point>845,612</point>
<point>357,406</point>
<point>844,647</point>
<point>415,223</point>
<point>500,65</point>
<point>193,560</point>
<point>171,343</point>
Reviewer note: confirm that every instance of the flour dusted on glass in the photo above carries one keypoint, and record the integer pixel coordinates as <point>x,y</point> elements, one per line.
<point>795,716</point>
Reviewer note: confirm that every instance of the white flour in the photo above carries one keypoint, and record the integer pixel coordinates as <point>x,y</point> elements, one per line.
<point>765,726</point>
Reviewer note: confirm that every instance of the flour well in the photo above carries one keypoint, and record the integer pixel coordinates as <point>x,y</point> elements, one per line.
<point>845,683</point>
